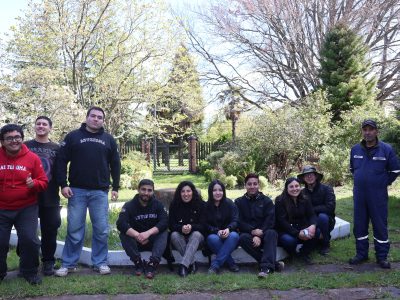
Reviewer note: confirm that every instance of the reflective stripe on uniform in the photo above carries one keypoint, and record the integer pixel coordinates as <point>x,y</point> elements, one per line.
<point>381,242</point>
<point>362,238</point>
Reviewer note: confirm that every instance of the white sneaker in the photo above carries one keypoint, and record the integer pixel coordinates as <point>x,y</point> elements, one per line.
<point>63,271</point>
<point>103,270</point>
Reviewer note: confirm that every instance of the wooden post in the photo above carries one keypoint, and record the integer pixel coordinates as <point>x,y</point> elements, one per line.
<point>192,154</point>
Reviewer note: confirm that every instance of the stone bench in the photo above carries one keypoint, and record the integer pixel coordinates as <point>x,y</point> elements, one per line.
<point>119,257</point>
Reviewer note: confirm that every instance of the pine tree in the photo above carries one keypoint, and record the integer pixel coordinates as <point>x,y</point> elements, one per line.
<point>183,102</point>
<point>344,70</point>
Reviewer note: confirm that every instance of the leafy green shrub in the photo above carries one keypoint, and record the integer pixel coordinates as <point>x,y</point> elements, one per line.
<point>263,182</point>
<point>204,165</point>
<point>135,166</point>
<point>235,164</point>
<point>125,181</point>
<point>212,174</point>
<point>230,181</point>
<point>334,163</point>
<point>214,157</point>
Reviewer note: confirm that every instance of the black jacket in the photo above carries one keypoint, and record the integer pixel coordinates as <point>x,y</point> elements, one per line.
<point>255,212</point>
<point>181,213</point>
<point>142,218</point>
<point>92,156</point>
<point>291,217</point>
<point>221,217</point>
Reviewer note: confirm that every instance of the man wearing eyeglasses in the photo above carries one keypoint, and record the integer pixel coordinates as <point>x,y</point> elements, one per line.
<point>93,158</point>
<point>22,177</point>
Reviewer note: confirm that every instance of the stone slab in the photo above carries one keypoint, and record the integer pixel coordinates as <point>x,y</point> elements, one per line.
<point>119,257</point>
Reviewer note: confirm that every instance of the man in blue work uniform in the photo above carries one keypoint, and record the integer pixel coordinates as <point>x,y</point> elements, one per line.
<point>374,166</point>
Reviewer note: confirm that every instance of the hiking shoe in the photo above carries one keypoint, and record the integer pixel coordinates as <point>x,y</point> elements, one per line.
<point>384,264</point>
<point>139,267</point>
<point>356,260</point>
<point>212,271</point>
<point>32,279</point>
<point>150,268</point>
<point>103,269</point>
<point>63,271</point>
<point>306,259</point>
<point>279,266</point>
<point>324,250</point>
<point>234,268</point>
<point>48,268</point>
<point>264,272</point>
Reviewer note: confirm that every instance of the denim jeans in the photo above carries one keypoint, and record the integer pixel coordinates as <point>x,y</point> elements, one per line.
<point>50,221</point>
<point>157,244</point>
<point>25,221</point>
<point>323,225</point>
<point>97,203</point>
<point>223,248</point>
<point>187,245</point>
<point>289,243</point>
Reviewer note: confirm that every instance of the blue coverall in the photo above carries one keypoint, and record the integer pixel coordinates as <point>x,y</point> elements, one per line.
<point>373,170</point>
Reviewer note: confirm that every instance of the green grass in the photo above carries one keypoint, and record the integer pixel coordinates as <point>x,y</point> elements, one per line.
<point>341,251</point>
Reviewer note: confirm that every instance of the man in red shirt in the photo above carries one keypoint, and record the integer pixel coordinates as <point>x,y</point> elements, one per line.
<point>21,179</point>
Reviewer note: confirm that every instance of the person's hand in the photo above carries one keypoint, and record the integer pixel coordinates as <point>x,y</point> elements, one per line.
<point>304,234</point>
<point>257,232</point>
<point>67,192</point>
<point>186,229</point>
<point>311,230</point>
<point>29,181</point>
<point>224,233</point>
<point>256,241</point>
<point>114,196</point>
<point>143,237</point>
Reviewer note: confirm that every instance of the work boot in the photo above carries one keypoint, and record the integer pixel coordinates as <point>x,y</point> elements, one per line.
<point>139,266</point>
<point>357,260</point>
<point>384,264</point>
<point>151,267</point>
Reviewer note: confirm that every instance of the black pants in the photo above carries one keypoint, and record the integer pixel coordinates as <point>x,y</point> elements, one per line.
<point>157,244</point>
<point>50,221</point>
<point>265,254</point>
<point>26,222</point>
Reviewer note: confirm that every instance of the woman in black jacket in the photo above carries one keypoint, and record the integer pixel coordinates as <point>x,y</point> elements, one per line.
<point>221,223</point>
<point>186,225</point>
<point>295,220</point>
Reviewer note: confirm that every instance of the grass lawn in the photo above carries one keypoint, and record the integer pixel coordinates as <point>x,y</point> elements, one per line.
<point>341,251</point>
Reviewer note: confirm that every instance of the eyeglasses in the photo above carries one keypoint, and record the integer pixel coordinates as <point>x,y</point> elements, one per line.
<point>16,138</point>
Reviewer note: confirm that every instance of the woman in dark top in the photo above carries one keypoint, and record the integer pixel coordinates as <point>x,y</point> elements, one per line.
<point>295,220</point>
<point>186,225</point>
<point>221,222</point>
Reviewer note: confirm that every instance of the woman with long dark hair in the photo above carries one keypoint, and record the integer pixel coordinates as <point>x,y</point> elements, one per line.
<point>296,221</point>
<point>221,223</point>
<point>186,225</point>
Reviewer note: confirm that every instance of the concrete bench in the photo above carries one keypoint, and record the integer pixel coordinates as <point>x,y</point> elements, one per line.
<point>119,257</point>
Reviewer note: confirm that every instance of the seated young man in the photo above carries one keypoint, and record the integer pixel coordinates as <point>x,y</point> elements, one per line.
<point>256,225</point>
<point>143,223</point>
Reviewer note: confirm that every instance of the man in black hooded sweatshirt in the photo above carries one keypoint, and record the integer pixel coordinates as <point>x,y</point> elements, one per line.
<point>143,224</point>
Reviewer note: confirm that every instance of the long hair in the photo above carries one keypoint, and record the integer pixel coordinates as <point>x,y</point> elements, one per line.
<point>287,199</point>
<point>177,196</point>
<point>210,190</point>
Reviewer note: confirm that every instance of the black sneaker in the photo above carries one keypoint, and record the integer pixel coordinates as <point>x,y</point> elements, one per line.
<point>33,279</point>
<point>324,250</point>
<point>357,260</point>
<point>150,268</point>
<point>48,268</point>
<point>384,264</point>
<point>234,268</point>
<point>139,267</point>
<point>264,272</point>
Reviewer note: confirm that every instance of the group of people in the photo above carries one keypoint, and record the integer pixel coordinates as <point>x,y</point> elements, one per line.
<point>32,173</point>
<point>219,225</point>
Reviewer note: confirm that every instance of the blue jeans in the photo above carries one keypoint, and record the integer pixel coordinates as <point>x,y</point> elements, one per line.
<point>97,202</point>
<point>323,225</point>
<point>289,243</point>
<point>223,248</point>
